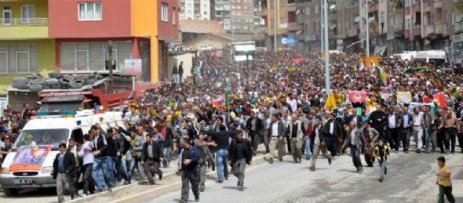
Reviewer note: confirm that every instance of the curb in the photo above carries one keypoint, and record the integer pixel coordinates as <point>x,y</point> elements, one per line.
<point>171,180</point>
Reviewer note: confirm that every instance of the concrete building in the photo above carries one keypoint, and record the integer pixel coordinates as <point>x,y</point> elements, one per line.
<point>308,18</point>
<point>236,16</point>
<point>348,25</point>
<point>195,9</point>
<point>395,31</point>
<point>437,19</point>
<point>279,18</point>
<point>457,33</point>
<point>42,36</point>
<point>25,46</point>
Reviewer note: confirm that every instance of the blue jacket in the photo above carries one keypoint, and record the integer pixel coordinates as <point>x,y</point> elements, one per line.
<point>194,157</point>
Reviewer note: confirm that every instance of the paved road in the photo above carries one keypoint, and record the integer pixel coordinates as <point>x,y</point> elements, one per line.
<point>32,195</point>
<point>410,179</point>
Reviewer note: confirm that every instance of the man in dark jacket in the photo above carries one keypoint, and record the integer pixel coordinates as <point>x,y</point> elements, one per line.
<point>188,166</point>
<point>168,136</point>
<point>240,155</point>
<point>152,156</point>
<point>254,125</point>
<point>221,139</point>
<point>63,168</point>
<point>116,145</point>
<point>103,162</point>
<point>318,141</point>
<point>334,133</point>
<point>378,121</point>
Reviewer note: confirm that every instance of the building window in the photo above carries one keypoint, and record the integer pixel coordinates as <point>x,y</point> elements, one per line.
<point>27,13</point>
<point>90,11</point>
<point>164,12</point>
<point>93,56</point>
<point>174,17</point>
<point>18,58</point>
<point>418,18</point>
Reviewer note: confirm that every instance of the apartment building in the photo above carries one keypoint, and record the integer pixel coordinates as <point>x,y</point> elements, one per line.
<point>42,36</point>
<point>236,16</point>
<point>196,9</point>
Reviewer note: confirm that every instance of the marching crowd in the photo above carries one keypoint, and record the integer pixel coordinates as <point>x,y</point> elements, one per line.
<point>279,101</point>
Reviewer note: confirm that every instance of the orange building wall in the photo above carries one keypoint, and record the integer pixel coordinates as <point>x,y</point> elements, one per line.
<point>145,24</point>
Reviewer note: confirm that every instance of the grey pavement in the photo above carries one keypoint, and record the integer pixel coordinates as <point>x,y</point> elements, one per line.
<point>410,179</point>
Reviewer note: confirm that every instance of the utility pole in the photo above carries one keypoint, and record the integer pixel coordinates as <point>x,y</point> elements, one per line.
<point>322,49</point>
<point>231,22</point>
<point>110,61</point>
<point>275,41</point>
<point>232,33</point>
<point>326,54</point>
<point>367,30</point>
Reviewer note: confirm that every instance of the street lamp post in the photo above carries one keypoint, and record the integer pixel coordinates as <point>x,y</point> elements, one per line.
<point>321,30</point>
<point>367,30</point>
<point>275,26</point>
<point>326,54</point>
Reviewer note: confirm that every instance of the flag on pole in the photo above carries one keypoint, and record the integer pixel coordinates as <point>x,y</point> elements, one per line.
<point>219,102</point>
<point>439,99</point>
<point>383,77</point>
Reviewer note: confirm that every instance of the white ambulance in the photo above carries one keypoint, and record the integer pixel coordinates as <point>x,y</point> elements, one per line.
<point>30,163</point>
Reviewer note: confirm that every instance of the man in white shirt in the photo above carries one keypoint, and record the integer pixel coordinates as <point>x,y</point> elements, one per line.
<point>417,117</point>
<point>291,100</point>
<point>87,161</point>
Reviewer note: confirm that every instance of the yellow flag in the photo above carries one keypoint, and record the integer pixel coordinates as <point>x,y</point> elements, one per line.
<point>330,102</point>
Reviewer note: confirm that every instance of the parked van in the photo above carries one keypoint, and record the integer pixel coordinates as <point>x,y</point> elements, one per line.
<point>30,163</point>
<point>438,56</point>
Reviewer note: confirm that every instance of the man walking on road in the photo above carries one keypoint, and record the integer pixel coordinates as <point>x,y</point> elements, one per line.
<point>318,136</point>
<point>102,172</point>
<point>221,138</point>
<point>204,154</point>
<point>254,124</point>
<point>188,166</point>
<point>443,180</point>
<point>295,131</point>
<point>276,134</point>
<point>371,135</point>
<point>63,168</point>
<point>356,142</point>
<point>152,156</point>
<point>240,155</point>
<point>381,153</point>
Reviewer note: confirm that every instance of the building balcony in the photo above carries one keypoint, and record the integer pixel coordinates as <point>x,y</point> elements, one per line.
<point>439,28</point>
<point>437,3</point>
<point>291,7</point>
<point>429,30</point>
<point>293,26</point>
<point>23,28</point>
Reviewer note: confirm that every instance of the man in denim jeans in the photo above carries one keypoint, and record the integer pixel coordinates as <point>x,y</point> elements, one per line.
<point>103,162</point>
<point>222,140</point>
<point>136,144</point>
